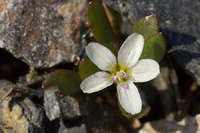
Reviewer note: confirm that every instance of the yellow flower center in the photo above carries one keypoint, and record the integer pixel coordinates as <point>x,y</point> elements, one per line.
<point>120,74</point>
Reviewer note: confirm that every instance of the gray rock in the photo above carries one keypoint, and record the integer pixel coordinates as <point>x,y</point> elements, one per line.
<point>56,107</point>
<point>80,129</point>
<point>33,114</point>
<point>69,107</point>
<point>127,10</point>
<point>44,32</point>
<point>179,21</point>
<point>51,105</point>
<point>5,86</point>
<point>187,125</point>
<point>34,129</point>
<point>63,113</point>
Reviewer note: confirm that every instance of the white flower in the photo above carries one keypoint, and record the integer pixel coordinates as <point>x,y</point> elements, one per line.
<point>123,71</point>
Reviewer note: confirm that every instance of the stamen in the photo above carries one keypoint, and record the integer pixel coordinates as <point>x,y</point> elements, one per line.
<point>114,78</point>
<point>120,76</point>
<point>124,74</point>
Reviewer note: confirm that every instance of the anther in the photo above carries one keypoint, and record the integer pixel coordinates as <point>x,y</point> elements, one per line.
<point>114,77</point>
<point>124,74</point>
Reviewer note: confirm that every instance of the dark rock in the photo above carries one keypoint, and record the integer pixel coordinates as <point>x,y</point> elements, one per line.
<point>34,129</point>
<point>179,21</point>
<point>60,126</point>
<point>101,116</point>
<point>10,67</point>
<point>52,126</point>
<point>167,86</point>
<point>43,33</point>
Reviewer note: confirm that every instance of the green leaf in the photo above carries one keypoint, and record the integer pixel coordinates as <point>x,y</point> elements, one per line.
<point>144,112</point>
<point>105,24</point>
<point>154,44</point>
<point>101,27</point>
<point>114,18</point>
<point>154,48</point>
<point>147,26</point>
<point>68,81</point>
<point>87,68</point>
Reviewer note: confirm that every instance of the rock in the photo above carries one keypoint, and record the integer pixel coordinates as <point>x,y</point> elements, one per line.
<point>59,126</point>
<point>18,113</point>
<point>51,105</point>
<point>44,32</point>
<point>179,25</point>
<point>80,129</point>
<point>69,107</point>
<point>56,107</point>
<point>14,118</point>
<point>22,119</point>
<point>5,87</point>
<point>127,10</point>
<point>63,113</point>
<point>34,114</point>
<point>187,125</point>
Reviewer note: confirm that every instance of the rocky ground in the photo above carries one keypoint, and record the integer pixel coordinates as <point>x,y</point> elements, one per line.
<point>40,36</point>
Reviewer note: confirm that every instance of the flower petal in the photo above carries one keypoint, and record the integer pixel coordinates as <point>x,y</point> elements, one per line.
<point>145,70</point>
<point>131,50</point>
<point>129,97</point>
<point>101,56</point>
<point>96,82</point>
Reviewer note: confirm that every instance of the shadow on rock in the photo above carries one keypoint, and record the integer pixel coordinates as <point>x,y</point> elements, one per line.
<point>73,122</point>
<point>184,56</point>
<point>188,125</point>
<point>175,38</point>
